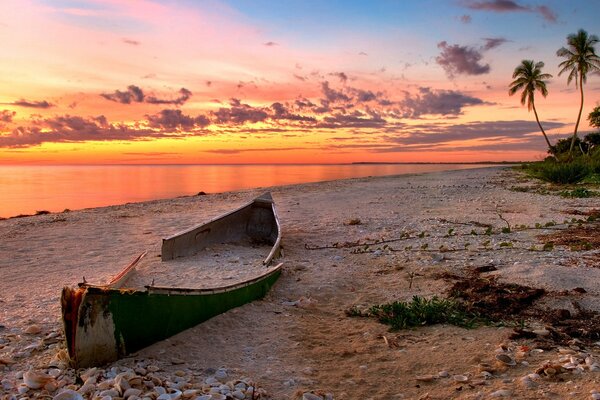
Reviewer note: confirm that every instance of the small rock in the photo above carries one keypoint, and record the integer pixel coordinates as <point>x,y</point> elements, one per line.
<point>501,393</point>
<point>311,396</point>
<point>425,378</point>
<point>238,394</point>
<point>68,394</point>
<point>32,329</point>
<point>221,375</point>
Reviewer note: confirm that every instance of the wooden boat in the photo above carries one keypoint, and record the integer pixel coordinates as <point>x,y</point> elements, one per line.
<point>104,323</point>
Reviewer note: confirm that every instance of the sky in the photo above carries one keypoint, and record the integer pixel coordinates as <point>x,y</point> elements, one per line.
<point>307,81</point>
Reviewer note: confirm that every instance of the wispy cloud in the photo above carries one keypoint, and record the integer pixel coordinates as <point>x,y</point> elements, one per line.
<point>31,104</point>
<point>492,43</point>
<point>135,94</point>
<point>131,42</point>
<point>511,6</point>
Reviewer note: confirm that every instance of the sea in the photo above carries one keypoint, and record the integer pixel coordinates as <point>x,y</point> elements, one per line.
<point>31,189</point>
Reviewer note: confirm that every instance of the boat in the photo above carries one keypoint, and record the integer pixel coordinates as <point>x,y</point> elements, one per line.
<point>103,323</point>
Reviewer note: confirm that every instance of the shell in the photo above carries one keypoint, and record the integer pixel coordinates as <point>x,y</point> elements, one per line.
<point>505,359</point>
<point>36,380</point>
<point>33,329</point>
<point>131,392</point>
<point>460,378</point>
<point>68,394</point>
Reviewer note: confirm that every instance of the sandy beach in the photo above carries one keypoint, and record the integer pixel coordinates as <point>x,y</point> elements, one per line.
<point>299,339</point>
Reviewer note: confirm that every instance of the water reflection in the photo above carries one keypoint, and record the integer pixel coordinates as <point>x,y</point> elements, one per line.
<point>27,189</point>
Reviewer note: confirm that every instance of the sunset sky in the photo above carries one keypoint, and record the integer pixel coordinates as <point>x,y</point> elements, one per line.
<point>111,81</point>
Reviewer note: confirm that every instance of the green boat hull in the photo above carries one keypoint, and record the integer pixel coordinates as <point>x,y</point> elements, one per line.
<point>112,323</point>
<point>105,323</point>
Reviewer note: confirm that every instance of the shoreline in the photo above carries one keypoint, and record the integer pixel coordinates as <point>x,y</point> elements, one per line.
<point>299,338</point>
<point>189,183</point>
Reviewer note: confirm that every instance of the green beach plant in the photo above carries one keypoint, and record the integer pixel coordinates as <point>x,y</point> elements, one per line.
<point>421,311</point>
<point>580,59</point>
<point>529,78</point>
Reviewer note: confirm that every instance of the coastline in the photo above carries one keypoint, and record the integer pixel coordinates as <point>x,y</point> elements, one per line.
<point>313,345</point>
<point>32,190</point>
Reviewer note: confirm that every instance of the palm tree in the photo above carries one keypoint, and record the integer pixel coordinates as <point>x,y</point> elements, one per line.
<point>529,77</point>
<point>580,58</point>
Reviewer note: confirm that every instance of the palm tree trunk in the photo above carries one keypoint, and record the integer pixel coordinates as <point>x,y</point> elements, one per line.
<point>542,129</point>
<point>578,116</point>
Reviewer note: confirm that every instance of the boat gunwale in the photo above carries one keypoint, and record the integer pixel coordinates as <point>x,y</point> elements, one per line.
<point>116,283</point>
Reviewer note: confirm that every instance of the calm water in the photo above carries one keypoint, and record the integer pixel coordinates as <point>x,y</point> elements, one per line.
<point>27,189</point>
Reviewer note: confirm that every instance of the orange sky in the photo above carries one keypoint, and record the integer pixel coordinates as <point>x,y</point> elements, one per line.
<point>303,82</point>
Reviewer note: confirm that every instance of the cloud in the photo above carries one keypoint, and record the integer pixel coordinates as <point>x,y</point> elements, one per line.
<point>280,111</point>
<point>239,113</point>
<point>134,94</point>
<point>342,76</point>
<point>69,128</point>
<point>332,95</point>
<point>440,102</point>
<point>131,42</point>
<point>270,44</point>
<point>497,130</point>
<point>496,5</point>
<point>7,115</point>
<point>31,104</point>
<point>184,95</point>
<point>465,19</point>
<point>511,6</point>
<point>547,13</point>
<point>357,119</point>
<point>457,59</point>
<point>175,119</point>
<point>303,102</point>
<point>491,43</point>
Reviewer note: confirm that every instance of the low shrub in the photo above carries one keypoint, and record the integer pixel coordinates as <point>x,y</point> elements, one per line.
<point>562,173</point>
<point>421,311</point>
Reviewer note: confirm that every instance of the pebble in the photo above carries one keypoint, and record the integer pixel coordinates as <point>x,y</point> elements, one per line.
<point>68,394</point>
<point>501,393</point>
<point>311,396</point>
<point>221,375</point>
<point>33,329</point>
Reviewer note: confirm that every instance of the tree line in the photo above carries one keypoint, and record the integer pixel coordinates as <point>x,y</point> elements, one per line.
<point>579,61</point>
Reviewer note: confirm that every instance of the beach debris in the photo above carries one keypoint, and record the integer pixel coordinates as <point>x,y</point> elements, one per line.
<point>69,394</point>
<point>32,329</point>
<point>425,378</point>
<point>460,378</point>
<point>126,383</point>
<point>505,359</point>
<point>36,380</point>
<point>302,302</point>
